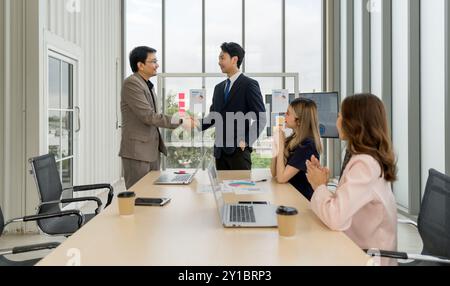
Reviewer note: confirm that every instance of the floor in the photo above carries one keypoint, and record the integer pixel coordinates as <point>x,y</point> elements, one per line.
<point>408,238</point>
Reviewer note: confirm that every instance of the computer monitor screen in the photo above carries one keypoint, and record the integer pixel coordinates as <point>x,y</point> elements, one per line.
<point>328,108</point>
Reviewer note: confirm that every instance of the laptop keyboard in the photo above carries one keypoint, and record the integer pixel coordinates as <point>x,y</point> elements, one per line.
<point>181,178</point>
<point>240,213</point>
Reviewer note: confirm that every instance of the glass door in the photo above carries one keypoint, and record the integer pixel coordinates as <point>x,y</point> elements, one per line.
<point>61,114</point>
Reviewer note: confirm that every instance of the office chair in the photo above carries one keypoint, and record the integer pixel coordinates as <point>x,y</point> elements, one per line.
<point>31,248</point>
<point>48,182</point>
<point>433,225</point>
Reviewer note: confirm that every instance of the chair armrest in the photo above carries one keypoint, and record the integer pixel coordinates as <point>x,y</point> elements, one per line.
<point>50,215</point>
<point>35,247</point>
<point>406,256</point>
<point>407,221</point>
<point>387,254</point>
<point>95,187</point>
<point>84,199</point>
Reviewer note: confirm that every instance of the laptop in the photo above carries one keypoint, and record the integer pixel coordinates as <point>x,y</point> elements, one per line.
<point>173,178</point>
<point>241,215</point>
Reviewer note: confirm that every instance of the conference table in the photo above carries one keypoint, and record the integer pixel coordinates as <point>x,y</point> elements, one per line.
<point>188,232</point>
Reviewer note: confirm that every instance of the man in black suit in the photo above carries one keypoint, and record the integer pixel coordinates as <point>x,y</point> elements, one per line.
<point>237,112</point>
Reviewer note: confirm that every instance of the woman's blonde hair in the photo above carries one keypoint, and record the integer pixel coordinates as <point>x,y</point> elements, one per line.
<point>307,120</point>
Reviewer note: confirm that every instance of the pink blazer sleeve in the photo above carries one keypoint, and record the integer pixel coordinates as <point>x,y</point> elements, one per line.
<point>336,210</point>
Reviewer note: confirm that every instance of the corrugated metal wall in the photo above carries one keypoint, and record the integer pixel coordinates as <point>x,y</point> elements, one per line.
<point>96,30</point>
<point>2,99</point>
<point>13,163</point>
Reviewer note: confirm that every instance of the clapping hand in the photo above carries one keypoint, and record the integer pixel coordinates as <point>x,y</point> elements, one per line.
<point>316,174</point>
<point>279,139</point>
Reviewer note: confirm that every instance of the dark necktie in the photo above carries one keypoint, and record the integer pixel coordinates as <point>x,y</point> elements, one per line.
<point>227,90</point>
<point>150,87</point>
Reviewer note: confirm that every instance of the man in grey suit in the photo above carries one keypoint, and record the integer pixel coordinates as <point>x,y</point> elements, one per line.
<point>141,139</point>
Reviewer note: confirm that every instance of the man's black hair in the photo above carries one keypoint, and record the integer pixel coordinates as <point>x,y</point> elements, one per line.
<point>234,50</point>
<point>139,55</point>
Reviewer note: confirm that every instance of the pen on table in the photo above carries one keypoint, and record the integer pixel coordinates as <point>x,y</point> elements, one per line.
<point>261,181</point>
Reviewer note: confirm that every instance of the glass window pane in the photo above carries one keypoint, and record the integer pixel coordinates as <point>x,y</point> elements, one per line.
<point>183,36</point>
<point>67,134</point>
<point>220,29</point>
<point>54,133</point>
<point>144,27</point>
<point>177,97</point>
<point>304,42</point>
<point>67,173</point>
<point>184,157</point>
<point>67,86</point>
<point>54,83</point>
<point>263,36</point>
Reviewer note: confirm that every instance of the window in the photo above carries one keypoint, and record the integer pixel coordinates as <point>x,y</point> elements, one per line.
<point>184,36</point>
<point>144,27</point>
<point>220,29</point>
<point>304,43</point>
<point>223,23</point>
<point>61,116</point>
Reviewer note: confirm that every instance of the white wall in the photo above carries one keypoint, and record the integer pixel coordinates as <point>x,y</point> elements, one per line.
<point>14,100</point>
<point>96,31</point>
<point>432,86</point>
<point>2,98</point>
<point>93,35</point>
<point>400,97</point>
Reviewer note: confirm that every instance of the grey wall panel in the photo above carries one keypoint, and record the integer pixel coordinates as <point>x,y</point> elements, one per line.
<point>13,165</point>
<point>362,46</point>
<point>447,87</point>
<point>387,58</point>
<point>414,107</point>
<point>2,98</point>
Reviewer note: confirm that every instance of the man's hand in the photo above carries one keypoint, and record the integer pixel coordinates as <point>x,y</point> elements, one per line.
<point>280,140</point>
<point>189,122</point>
<point>242,145</point>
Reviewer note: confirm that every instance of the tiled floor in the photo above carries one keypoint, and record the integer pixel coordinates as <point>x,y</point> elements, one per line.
<point>408,238</point>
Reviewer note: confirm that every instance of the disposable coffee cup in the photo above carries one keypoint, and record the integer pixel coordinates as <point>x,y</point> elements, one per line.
<point>126,203</point>
<point>287,221</point>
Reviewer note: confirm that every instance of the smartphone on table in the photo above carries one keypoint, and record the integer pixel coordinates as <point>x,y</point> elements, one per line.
<point>157,202</point>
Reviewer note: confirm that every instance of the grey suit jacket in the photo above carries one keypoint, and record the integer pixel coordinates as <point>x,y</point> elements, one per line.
<point>141,139</point>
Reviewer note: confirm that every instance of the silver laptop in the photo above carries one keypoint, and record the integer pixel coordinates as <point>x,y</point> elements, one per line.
<point>241,215</point>
<point>172,178</point>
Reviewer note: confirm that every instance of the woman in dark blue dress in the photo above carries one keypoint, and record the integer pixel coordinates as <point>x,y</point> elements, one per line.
<point>291,154</point>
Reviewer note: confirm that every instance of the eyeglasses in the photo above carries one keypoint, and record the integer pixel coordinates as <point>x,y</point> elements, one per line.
<point>155,62</point>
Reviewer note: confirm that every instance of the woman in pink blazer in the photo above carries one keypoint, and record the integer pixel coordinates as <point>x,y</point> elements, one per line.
<point>363,205</point>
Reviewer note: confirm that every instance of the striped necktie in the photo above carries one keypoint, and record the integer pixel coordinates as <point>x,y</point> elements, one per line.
<point>227,90</point>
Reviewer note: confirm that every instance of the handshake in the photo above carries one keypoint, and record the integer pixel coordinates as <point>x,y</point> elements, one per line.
<point>190,122</point>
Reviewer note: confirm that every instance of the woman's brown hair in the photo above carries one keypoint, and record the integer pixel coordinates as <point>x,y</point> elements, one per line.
<point>364,123</point>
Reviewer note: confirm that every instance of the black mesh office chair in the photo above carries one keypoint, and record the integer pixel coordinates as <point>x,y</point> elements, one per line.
<point>36,247</point>
<point>50,190</point>
<point>433,225</point>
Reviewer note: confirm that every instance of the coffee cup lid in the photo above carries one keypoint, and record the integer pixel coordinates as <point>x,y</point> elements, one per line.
<point>289,211</point>
<point>126,195</point>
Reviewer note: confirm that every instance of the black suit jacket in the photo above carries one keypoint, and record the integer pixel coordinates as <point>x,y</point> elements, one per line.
<point>245,100</point>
